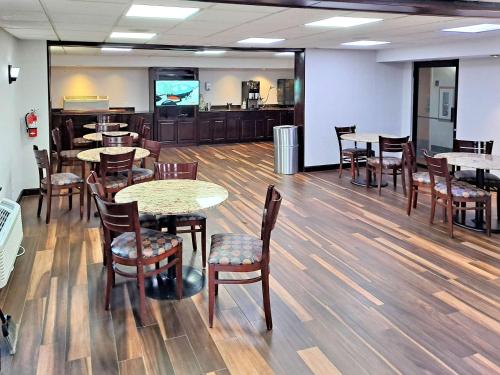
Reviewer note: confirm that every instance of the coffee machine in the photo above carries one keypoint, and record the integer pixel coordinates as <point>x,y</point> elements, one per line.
<point>250,94</point>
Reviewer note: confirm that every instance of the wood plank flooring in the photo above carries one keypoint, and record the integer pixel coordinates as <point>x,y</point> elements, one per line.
<point>357,288</point>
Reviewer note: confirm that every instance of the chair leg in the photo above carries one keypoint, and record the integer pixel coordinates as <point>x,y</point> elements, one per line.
<point>216,284</point>
<point>70,199</point>
<point>266,298</point>
<point>433,208</point>
<point>449,209</point>
<point>109,281</point>
<point>463,213</point>
<point>353,168</point>
<point>368,182</point>
<point>394,178</point>
<point>40,201</point>
<point>89,204</point>
<point>379,177</point>
<point>340,166</point>
<point>357,166</point>
<point>142,294</point>
<point>82,196</point>
<point>49,206</point>
<point>403,181</point>
<point>498,203</point>
<point>178,273</point>
<point>415,198</point>
<point>204,244</point>
<point>193,237</point>
<point>488,217</point>
<point>211,294</point>
<point>410,198</point>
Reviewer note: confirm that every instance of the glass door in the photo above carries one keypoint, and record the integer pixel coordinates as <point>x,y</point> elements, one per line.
<point>434,106</point>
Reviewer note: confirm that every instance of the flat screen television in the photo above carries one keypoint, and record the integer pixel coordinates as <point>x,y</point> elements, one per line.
<point>177,93</point>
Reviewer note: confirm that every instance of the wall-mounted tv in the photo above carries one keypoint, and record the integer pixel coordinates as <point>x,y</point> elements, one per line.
<point>177,93</point>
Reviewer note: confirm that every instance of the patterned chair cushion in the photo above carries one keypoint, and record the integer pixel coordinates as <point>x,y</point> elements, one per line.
<point>148,221</point>
<point>461,189</point>
<point>163,219</point>
<point>387,161</point>
<point>235,249</point>
<point>153,243</point>
<point>355,151</point>
<point>422,177</point>
<point>115,181</point>
<point>70,154</point>
<point>470,176</point>
<point>61,179</point>
<point>140,174</point>
<point>80,141</point>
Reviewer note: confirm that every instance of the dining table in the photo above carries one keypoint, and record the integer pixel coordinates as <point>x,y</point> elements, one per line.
<point>481,163</point>
<point>93,155</point>
<point>369,139</point>
<point>93,124</point>
<point>171,198</point>
<point>97,137</point>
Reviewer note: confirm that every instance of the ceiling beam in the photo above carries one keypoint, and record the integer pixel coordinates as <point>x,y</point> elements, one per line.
<point>453,8</point>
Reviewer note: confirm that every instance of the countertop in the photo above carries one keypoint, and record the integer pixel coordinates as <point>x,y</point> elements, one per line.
<point>248,110</point>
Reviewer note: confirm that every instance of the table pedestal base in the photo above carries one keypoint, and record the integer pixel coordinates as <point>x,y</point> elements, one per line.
<point>163,287</point>
<point>361,181</point>
<point>471,223</point>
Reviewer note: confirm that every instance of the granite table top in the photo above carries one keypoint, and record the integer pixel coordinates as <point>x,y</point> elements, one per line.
<point>471,160</point>
<point>97,137</point>
<point>93,155</point>
<point>92,125</point>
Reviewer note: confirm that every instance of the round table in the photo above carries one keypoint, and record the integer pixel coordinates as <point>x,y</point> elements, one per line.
<point>92,124</point>
<point>174,197</point>
<point>479,162</point>
<point>97,137</point>
<point>93,155</point>
<point>367,138</point>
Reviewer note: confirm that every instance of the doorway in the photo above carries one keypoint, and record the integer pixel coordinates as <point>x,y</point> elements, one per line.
<point>435,88</point>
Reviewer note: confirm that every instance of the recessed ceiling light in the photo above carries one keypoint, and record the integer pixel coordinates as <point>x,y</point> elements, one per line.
<point>260,40</point>
<point>115,49</point>
<point>365,43</point>
<point>474,28</point>
<point>211,52</point>
<point>285,54</point>
<point>343,21</point>
<point>123,35</point>
<point>153,11</point>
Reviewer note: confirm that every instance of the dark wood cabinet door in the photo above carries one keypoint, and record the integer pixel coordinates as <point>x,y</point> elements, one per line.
<point>186,131</point>
<point>233,129</point>
<point>247,129</point>
<point>271,122</point>
<point>219,130</point>
<point>204,131</point>
<point>167,131</point>
<point>286,117</point>
<point>260,129</point>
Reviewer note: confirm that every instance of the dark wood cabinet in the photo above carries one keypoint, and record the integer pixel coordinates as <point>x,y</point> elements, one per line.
<point>247,129</point>
<point>272,120</point>
<point>233,128</point>
<point>260,129</point>
<point>167,131</point>
<point>186,131</point>
<point>211,128</point>
<point>204,131</point>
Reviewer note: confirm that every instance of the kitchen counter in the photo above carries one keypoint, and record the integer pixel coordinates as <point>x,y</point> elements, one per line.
<point>237,109</point>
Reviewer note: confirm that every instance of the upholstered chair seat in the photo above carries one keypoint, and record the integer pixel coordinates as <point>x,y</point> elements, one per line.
<point>154,243</point>
<point>141,174</point>
<point>355,151</point>
<point>387,161</point>
<point>61,179</point>
<point>81,142</point>
<point>235,249</point>
<point>115,182</point>
<point>422,177</point>
<point>70,154</point>
<point>461,189</point>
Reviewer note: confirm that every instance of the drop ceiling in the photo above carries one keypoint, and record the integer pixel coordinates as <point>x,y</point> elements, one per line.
<point>222,24</point>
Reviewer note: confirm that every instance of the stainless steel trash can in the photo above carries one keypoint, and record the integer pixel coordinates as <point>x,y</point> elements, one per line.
<point>286,149</point>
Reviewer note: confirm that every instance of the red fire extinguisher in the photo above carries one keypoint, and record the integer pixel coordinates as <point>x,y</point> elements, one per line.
<point>31,120</point>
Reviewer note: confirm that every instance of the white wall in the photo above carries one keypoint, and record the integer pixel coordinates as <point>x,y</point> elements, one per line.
<point>478,108</point>
<point>226,83</point>
<point>349,87</point>
<point>17,164</point>
<point>126,87</point>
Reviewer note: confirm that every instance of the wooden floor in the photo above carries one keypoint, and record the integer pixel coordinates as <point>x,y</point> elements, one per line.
<point>357,288</point>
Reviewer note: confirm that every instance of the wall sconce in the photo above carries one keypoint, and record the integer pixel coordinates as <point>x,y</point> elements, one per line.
<point>13,73</point>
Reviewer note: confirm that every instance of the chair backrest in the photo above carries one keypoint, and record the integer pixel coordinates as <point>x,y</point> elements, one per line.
<point>56,138</point>
<point>341,130</point>
<point>137,123</point>
<point>117,141</point>
<point>477,147</point>
<point>438,169</point>
<point>387,144</point>
<point>144,134</point>
<point>409,157</point>
<point>269,217</point>
<point>95,187</point>
<point>70,130</point>
<point>43,163</point>
<point>114,164</point>
<point>154,149</point>
<point>119,218</point>
<point>101,127</point>
<point>169,171</point>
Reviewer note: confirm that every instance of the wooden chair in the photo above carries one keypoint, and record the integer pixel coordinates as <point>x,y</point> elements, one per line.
<point>117,141</point>
<point>154,149</point>
<point>126,243</point>
<point>101,128</point>
<point>231,252</point>
<point>196,222</point>
<point>416,180</point>
<point>51,184</point>
<point>75,142</point>
<point>137,124</point>
<point>381,163</point>
<point>65,157</point>
<point>351,155</point>
<point>94,187</point>
<point>451,194</point>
